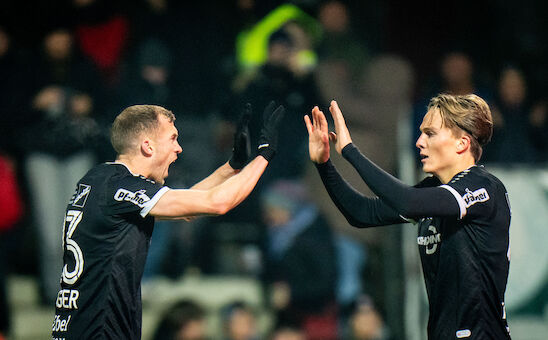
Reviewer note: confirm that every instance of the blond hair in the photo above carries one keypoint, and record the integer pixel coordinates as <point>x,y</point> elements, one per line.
<point>468,114</point>
<point>132,122</point>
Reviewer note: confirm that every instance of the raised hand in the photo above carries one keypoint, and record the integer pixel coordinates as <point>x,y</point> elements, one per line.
<point>318,136</point>
<point>242,146</point>
<point>268,141</point>
<point>341,137</point>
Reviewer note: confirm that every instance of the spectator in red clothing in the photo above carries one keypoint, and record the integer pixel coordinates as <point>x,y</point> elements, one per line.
<point>10,213</point>
<point>102,33</point>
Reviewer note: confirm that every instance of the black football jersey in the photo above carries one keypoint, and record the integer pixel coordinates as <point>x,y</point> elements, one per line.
<point>466,259</point>
<point>106,235</point>
<point>463,240</point>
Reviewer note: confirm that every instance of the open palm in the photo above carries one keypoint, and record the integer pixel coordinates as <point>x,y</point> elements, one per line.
<point>341,137</point>
<point>318,136</point>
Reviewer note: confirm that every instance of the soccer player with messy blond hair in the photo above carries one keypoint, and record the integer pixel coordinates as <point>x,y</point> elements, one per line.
<point>462,211</point>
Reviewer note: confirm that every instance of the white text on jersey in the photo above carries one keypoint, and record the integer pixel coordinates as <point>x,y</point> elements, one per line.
<point>138,198</point>
<point>473,197</point>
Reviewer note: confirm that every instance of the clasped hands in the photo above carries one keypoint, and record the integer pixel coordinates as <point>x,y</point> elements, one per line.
<point>319,134</point>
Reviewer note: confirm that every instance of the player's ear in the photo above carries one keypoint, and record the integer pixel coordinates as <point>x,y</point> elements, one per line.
<point>146,147</point>
<point>463,143</point>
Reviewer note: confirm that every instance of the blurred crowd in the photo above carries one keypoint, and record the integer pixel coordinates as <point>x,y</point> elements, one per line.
<point>67,68</point>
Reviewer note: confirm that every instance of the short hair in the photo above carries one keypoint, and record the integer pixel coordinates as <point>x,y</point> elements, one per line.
<point>132,122</point>
<point>466,113</point>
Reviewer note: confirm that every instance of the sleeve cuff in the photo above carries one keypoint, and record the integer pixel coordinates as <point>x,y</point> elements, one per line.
<point>323,166</point>
<point>150,204</point>
<point>348,150</point>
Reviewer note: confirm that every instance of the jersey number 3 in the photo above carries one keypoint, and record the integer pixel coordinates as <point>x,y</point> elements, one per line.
<point>72,219</point>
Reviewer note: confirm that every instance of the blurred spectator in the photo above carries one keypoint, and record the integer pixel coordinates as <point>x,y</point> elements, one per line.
<point>102,33</point>
<point>11,212</point>
<point>201,38</point>
<point>366,323</point>
<point>339,46</point>
<point>185,320</point>
<point>519,125</point>
<point>288,80</point>
<point>252,44</point>
<point>300,260</point>
<point>146,78</point>
<point>14,93</point>
<point>239,322</point>
<point>456,76</point>
<point>150,18</point>
<point>287,332</point>
<point>351,261</point>
<point>59,144</point>
<point>457,72</point>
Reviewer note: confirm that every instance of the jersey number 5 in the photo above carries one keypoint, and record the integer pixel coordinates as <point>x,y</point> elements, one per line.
<point>72,218</point>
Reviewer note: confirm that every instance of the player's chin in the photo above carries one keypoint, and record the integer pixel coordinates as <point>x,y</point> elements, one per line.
<point>426,168</point>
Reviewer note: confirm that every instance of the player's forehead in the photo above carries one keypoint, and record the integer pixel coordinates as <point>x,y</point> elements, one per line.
<point>166,125</point>
<point>432,120</point>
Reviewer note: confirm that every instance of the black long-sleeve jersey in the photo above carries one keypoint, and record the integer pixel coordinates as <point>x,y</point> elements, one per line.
<point>463,239</point>
<point>106,235</point>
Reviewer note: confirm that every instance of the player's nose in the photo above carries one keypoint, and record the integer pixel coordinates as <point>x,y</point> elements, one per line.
<point>420,142</point>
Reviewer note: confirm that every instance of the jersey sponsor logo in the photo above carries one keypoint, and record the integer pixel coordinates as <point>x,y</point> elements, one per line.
<point>67,299</point>
<point>138,198</point>
<point>430,241</point>
<point>81,195</point>
<point>464,333</point>
<point>60,325</point>
<point>473,197</point>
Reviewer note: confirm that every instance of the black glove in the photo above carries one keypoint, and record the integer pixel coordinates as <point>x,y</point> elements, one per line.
<point>268,142</point>
<point>242,146</point>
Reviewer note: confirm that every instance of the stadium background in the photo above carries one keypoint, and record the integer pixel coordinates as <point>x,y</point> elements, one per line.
<point>200,48</point>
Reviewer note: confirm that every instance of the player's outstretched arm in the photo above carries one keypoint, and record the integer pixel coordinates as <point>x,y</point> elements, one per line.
<point>218,200</point>
<point>360,211</point>
<point>408,201</point>
<point>222,198</point>
<point>396,198</point>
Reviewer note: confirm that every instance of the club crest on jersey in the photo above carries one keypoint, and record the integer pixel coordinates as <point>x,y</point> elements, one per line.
<point>473,197</point>
<point>138,198</point>
<point>81,195</point>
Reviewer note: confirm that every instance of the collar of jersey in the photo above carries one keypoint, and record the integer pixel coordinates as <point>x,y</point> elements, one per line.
<point>136,175</point>
<point>462,173</point>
